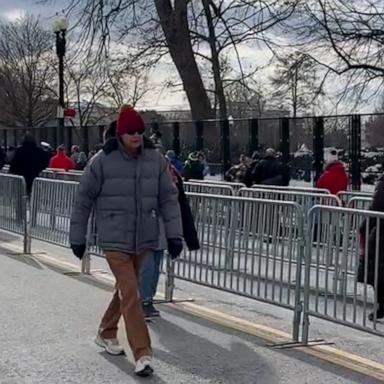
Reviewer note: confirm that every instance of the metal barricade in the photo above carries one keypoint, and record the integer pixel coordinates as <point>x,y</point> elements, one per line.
<point>345,196</point>
<point>60,174</point>
<point>70,176</point>
<point>359,202</point>
<point>213,189</point>
<point>305,200</point>
<point>331,288</point>
<point>51,207</point>
<point>291,188</point>
<point>258,257</point>
<point>93,239</point>
<point>50,173</point>
<point>250,247</point>
<point>235,186</point>
<point>13,203</point>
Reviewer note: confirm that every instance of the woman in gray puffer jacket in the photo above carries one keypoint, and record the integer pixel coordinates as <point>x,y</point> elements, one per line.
<point>130,186</point>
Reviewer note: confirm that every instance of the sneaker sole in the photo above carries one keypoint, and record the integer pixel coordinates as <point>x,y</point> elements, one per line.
<point>113,353</point>
<point>147,371</point>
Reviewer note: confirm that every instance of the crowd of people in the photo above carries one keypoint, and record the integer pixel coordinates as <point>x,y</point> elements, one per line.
<point>265,169</point>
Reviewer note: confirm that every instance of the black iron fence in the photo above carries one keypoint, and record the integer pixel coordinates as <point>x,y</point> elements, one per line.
<point>300,141</point>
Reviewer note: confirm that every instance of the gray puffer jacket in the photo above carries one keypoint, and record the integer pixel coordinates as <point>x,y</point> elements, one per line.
<point>129,193</point>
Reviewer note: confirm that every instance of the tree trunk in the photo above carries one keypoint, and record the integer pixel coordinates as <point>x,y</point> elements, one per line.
<point>219,89</point>
<point>174,22</point>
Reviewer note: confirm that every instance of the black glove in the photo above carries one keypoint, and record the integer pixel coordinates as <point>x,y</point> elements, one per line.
<point>78,250</point>
<point>175,246</point>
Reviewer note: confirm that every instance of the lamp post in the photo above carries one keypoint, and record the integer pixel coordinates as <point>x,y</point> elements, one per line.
<point>59,27</point>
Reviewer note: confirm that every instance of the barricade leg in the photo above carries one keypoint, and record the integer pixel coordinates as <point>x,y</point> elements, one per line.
<point>169,279</point>
<point>233,224</point>
<point>307,277</point>
<point>27,241</point>
<point>86,263</point>
<point>298,302</point>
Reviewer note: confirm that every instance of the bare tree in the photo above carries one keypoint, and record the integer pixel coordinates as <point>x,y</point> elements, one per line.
<point>25,73</point>
<point>126,84</point>
<point>296,84</point>
<point>374,126</point>
<point>183,29</point>
<point>244,99</point>
<point>346,37</point>
<point>85,85</point>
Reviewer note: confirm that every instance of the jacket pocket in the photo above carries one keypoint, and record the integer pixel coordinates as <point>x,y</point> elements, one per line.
<point>150,227</point>
<point>113,227</point>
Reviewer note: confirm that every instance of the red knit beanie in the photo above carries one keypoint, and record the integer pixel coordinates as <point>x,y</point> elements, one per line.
<point>129,121</point>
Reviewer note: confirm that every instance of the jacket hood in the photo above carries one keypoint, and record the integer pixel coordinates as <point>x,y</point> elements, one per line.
<point>112,144</point>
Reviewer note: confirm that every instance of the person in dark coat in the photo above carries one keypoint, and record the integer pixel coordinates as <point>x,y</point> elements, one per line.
<point>271,171</point>
<point>110,132</point>
<point>2,158</point>
<point>10,154</point>
<point>150,268</point>
<point>248,181</point>
<point>193,167</point>
<point>368,261</point>
<point>29,160</point>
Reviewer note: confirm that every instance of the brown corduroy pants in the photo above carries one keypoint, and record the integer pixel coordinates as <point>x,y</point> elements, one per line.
<point>126,302</point>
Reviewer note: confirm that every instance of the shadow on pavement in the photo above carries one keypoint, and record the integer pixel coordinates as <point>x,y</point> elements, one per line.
<point>25,259</point>
<point>185,348</point>
<point>86,279</point>
<point>6,237</point>
<point>194,354</point>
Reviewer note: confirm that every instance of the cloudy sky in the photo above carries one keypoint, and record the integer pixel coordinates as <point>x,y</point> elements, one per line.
<point>11,10</point>
<point>159,97</point>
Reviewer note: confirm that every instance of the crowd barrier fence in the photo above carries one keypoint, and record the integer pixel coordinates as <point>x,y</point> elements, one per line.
<point>290,188</point>
<point>342,299</point>
<point>51,209</point>
<point>254,247</point>
<point>213,189</point>
<point>235,186</point>
<point>13,207</point>
<point>345,196</point>
<point>359,202</point>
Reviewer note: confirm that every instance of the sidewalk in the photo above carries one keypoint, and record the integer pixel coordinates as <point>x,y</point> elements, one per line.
<point>49,318</point>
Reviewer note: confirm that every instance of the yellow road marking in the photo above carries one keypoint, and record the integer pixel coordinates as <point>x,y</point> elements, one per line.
<point>333,355</point>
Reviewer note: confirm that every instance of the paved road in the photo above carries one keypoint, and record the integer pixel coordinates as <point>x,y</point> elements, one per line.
<point>48,321</point>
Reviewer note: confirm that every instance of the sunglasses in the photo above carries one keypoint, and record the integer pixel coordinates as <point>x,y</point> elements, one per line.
<point>138,132</point>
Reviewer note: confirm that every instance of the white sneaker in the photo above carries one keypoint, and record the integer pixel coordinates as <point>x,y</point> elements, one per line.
<point>144,366</point>
<point>111,346</point>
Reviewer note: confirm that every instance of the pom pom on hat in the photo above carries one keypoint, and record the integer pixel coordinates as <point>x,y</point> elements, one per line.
<point>129,121</point>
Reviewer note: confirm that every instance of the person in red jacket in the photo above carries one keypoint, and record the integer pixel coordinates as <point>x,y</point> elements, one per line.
<point>61,160</point>
<point>334,177</point>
